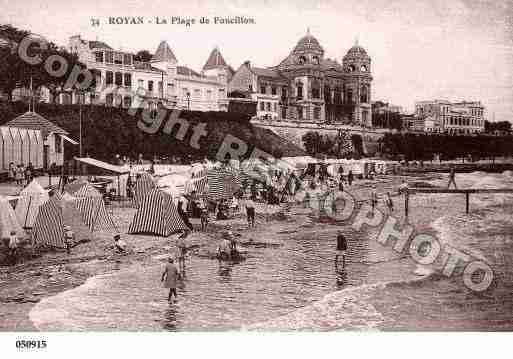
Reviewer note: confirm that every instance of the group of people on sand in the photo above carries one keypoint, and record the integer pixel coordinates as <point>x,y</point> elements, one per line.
<point>21,174</point>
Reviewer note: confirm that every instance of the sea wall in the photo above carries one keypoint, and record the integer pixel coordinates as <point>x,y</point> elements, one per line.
<point>294,131</point>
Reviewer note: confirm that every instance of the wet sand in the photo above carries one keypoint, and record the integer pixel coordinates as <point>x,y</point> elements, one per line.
<point>24,285</point>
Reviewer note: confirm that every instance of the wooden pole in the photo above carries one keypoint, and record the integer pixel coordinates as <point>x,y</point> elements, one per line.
<point>467,195</point>
<point>406,203</point>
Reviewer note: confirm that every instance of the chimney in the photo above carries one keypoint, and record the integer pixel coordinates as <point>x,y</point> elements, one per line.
<point>247,63</point>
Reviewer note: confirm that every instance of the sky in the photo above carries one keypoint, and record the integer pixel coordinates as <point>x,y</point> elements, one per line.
<point>420,50</point>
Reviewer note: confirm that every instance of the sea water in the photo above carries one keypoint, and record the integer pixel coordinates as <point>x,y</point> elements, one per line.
<point>294,286</point>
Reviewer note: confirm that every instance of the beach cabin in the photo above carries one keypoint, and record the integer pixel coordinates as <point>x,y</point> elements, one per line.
<point>50,143</point>
<point>16,145</point>
<point>25,146</point>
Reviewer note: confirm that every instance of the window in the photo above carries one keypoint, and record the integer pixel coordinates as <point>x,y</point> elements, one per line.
<point>262,89</point>
<point>98,56</point>
<point>140,84</point>
<point>275,107</point>
<point>109,57</point>
<point>118,58</point>
<point>283,92</point>
<point>273,90</point>
<point>197,94</point>
<point>128,80</point>
<point>364,94</point>
<point>283,112</point>
<point>315,60</point>
<point>299,91</point>
<point>316,89</point>
<point>109,99</point>
<point>209,95</point>
<point>302,60</point>
<point>127,101</point>
<point>327,94</point>
<point>185,92</point>
<point>350,96</point>
<point>150,86</point>
<point>127,59</point>
<point>170,89</point>
<point>221,93</point>
<point>109,78</point>
<point>268,106</point>
<point>118,79</point>
<point>262,108</point>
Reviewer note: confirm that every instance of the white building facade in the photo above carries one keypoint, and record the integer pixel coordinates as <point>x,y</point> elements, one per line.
<point>161,81</point>
<point>466,117</point>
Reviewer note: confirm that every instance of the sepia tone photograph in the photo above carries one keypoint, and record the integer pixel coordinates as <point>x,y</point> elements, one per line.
<point>255,166</point>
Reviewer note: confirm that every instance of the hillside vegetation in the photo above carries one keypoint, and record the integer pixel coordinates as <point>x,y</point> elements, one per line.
<point>108,131</point>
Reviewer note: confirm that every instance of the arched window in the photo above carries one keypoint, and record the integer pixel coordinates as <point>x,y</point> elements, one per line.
<point>337,95</point>
<point>364,94</point>
<point>302,60</point>
<point>315,60</point>
<point>316,89</point>
<point>299,87</point>
<point>350,96</point>
<point>327,94</point>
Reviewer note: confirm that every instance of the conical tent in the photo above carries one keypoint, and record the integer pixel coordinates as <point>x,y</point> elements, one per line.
<point>8,221</point>
<point>157,215</point>
<point>52,217</point>
<point>92,209</point>
<point>31,198</point>
<point>74,186</point>
<point>223,182</point>
<point>143,186</point>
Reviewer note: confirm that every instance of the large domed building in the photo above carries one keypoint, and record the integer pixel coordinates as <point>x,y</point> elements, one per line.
<point>307,87</point>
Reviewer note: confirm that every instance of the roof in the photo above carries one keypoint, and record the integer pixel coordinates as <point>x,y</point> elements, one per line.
<point>331,64</point>
<point>356,51</point>
<point>103,165</point>
<point>35,121</point>
<point>164,53</point>
<point>308,43</point>
<point>215,60</point>
<point>99,45</point>
<point>266,72</point>
<point>184,70</point>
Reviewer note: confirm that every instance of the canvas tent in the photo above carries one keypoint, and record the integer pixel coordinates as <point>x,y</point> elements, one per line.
<point>143,186</point>
<point>157,215</point>
<point>8,221</point>
<point>56,213</point>
<point>223,182</point>
<point>91,206</point>
<point>31,198</point>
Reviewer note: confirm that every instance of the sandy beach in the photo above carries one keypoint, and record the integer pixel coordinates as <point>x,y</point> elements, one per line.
<point>371,305</point>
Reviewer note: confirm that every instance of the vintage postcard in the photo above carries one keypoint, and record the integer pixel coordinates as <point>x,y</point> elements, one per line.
<point>255,166</point>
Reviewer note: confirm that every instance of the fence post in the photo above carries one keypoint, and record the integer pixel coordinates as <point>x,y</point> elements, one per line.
<point>467,195</point>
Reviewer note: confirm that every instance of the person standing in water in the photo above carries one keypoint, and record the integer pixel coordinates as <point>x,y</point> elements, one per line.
<point>182,250</point>
<point>452,178</point>
<point>170,278</point>
<point>341,250</point>
<point>374,198</point>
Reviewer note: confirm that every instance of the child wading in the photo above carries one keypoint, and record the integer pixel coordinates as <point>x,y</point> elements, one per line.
<point>341,250</point>
<point>170,278</point>
<point>452,178</point>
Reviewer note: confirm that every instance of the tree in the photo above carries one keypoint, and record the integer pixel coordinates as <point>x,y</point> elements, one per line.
<point>16,72</point>
<point>143,56</point>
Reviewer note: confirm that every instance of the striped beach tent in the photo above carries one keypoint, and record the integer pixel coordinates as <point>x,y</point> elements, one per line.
<point>31,198</point>
<point>89,202</point>
<point>143,186</point>
<point>157,215</point>
<point>223,182</point>
<point>74,186</point>
<point>56,213</point>
<point>8,221</point>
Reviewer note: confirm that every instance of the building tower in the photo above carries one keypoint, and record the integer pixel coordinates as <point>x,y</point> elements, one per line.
<point>303,69</point>
<point>357,66</point>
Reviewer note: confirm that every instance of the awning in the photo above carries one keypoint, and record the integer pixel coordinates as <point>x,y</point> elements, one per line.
<point>119,170</point>
<point>66,138</point>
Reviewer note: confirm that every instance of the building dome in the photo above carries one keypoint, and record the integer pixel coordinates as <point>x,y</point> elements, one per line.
<point>308,43</point>
<point>357,51</point>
